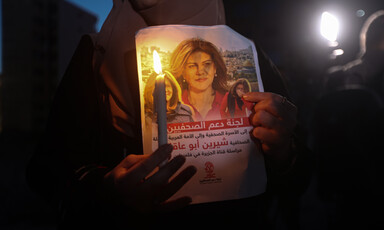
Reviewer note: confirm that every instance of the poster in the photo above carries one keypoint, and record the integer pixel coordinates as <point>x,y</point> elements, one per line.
<point>206,69</point>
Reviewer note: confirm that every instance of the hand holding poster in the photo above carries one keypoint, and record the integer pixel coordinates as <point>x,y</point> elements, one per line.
<point>207,70</point>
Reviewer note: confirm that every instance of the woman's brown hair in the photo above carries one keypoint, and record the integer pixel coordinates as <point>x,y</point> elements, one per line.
<point>148,94</point>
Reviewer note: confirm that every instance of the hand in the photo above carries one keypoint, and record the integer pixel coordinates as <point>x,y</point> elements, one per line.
<point>274,119</point>
<point>143,189</point>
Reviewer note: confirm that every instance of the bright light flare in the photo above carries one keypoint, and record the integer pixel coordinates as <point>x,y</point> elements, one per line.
<point>338,52</point>
<point>157,62</point>
<point>329,27</point>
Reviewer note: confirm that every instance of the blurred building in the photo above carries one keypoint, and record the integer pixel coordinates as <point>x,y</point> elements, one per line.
<point>39,38</point>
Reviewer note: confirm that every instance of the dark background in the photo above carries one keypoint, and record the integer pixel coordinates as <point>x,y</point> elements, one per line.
<point>40,36</point>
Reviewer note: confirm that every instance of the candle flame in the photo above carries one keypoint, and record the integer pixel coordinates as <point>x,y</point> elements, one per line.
<point>156,62</point>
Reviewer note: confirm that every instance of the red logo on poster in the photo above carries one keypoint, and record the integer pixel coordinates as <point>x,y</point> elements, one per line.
<point>209,167</point>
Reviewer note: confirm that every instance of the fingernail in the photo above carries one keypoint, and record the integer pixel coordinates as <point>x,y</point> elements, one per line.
<point>192,170</point>
<point>179,159</point>
<point>245,96</point>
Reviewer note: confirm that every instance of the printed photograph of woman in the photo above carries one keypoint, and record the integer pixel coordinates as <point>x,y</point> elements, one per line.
<point>233,104</point>
<point>202,75</point>
<point>177,112</point>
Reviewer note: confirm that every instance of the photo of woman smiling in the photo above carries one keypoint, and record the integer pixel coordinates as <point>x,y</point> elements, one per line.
<point>177,112</point>
<point>202,74</point>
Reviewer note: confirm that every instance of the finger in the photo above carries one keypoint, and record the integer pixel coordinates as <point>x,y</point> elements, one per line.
<point>265,119</point>
<point>175,204</point>
<point>132,159</point>
<point>165,172</point>
<point>265,135</point>
<point>257,96</point>
<point>146,166</point>
<point>178,182</point>
<point>266,139</point>
<point>275,104</point>
<point>272,106</point>
<point>261,96</point>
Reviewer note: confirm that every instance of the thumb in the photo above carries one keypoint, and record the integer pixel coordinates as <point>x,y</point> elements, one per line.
<point>255,96</point>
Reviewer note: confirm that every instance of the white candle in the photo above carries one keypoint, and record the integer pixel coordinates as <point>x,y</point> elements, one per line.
<point>160,101</point>
<point>161,109</point>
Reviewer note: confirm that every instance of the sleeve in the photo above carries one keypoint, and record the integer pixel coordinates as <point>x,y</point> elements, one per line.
<point>295,178</point>
<point>66,163</point>
<point>270,75</point>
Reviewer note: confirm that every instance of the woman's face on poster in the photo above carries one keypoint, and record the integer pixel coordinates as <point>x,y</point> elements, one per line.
<point>240,91</point>
<point>199,71</point>
<point>168,90</point>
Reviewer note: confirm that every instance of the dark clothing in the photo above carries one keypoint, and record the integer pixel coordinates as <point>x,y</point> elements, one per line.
<point>347,129</point>
<point>182,114</point>
<point>81,145</point>
<point>354,75</point>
